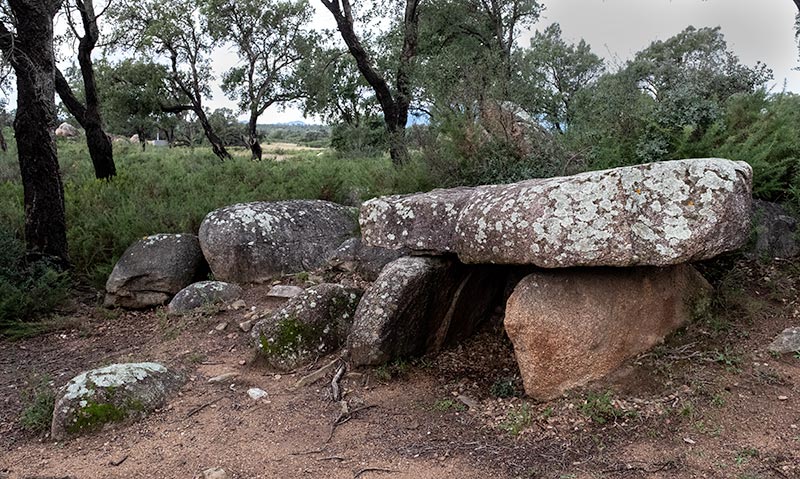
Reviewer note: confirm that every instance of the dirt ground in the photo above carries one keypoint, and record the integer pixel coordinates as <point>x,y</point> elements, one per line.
<point>709,403</point>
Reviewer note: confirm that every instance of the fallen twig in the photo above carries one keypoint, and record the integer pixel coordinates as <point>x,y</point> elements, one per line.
<point>119,461</point>
<point>202,406</point>
<point>316,375</point>
<point>371,469</point>
<point>336,393</point>
<point>344,415</point>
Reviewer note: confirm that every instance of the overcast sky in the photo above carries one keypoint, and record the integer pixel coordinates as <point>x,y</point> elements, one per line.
<point>616,29</point>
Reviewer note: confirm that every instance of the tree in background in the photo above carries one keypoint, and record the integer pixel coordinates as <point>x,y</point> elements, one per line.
<point>334,89</point>
<point>87,112</point>
<point>132,95</point>
<point>552,74</point>
<point>672,87</point>
<point>26,39</point>
<point>395,100</point>
<point>271,38</point>
<point>179,31</point>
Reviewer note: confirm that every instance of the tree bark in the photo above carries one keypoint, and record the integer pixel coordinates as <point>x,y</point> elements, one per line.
<point>216,143</point>
<point>394,106</point>
<point>252,140</point>
<point>88,115</point>
<point>30,52</point>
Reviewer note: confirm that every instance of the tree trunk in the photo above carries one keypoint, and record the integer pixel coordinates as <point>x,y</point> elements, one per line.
<point>216,144</point>
<point>252,141</point>
<point>394,106</point>
<point>99,144</point>
<point>33,60</point>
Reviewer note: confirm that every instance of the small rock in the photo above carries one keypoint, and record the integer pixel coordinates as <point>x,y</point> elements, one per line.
<point>215,473</point>
<point>284,291</point>
<point>256,393</point>
<point>786,342</point>
<point>238,304</point>
<point>221,326</point>
<point>242,362</point>
<point>246,325</point>
<point>688,440</point>
<point>783,398</point>
<point>469,402</point>
<point>223,377</point>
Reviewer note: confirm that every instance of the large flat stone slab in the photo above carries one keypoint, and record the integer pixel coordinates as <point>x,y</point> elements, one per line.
<point>655,214</point>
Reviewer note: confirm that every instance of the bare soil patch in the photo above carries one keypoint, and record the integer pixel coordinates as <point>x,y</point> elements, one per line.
<point>711,402</point>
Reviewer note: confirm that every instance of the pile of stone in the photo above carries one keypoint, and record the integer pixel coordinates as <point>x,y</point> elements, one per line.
<point>611,251</point>
<point>590,270</point>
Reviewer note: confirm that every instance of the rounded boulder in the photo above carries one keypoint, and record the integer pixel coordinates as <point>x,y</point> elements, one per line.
<point>255,242</point>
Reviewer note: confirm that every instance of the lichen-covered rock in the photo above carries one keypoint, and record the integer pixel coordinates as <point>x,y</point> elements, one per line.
<point>115,393</point>
<point>312,323</point>
<point>66,130</point>
<point>786,342</point>
<point>353,256</point>
<point>418,304</point>
<point>655,214</point>
<point>153,270</point>
<point>572,326</point>
<point>255,242</point>
<point>203,293</point>
<point>775,232</point>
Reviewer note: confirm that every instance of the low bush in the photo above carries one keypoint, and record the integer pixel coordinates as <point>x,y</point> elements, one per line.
<point>27,287</point>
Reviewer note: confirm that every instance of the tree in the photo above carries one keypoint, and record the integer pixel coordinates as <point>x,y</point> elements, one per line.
<point>26,39</point>
<point>334,88</point>
<point>87,113</point>
<point>179,31</point>
<point>672,87</point>
<point>552,73</point>
<point>271,38</point>
<point>132,93</point>
<point>394,101</point>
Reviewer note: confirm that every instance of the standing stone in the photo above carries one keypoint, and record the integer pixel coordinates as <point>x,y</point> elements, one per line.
<point>203,293</point>
<point>153,270</point>
<point>313,323</point>
<point>255,242</point>
<point>655,214</point>
<point>115,393</point>
<point>573,326</point>
<point>416,305</point>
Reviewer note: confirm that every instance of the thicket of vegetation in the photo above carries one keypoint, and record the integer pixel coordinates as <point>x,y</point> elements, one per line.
<point>417,94</point>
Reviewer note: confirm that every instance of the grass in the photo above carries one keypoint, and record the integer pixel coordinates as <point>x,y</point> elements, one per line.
<point>600,408</point>
<point>171,190</point>
<point>38,414</point>
<point>504,388</point>
<point>444,405</point>
<point>517,419</point>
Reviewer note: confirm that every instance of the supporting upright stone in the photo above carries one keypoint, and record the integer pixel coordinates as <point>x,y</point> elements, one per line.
<point>572,326</point>
<point>418,304</point>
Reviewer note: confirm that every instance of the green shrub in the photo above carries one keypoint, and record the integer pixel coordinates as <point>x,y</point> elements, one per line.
<point>28,289</point>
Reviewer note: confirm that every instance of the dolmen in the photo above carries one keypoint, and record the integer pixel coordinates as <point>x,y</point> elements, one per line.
<point>608,256</point>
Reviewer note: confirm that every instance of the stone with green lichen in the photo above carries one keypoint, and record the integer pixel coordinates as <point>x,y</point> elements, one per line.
<point>314,323</point>
<point>111,394</point>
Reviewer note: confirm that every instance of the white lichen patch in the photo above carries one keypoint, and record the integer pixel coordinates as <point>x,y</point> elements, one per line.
<point>116,375</point>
